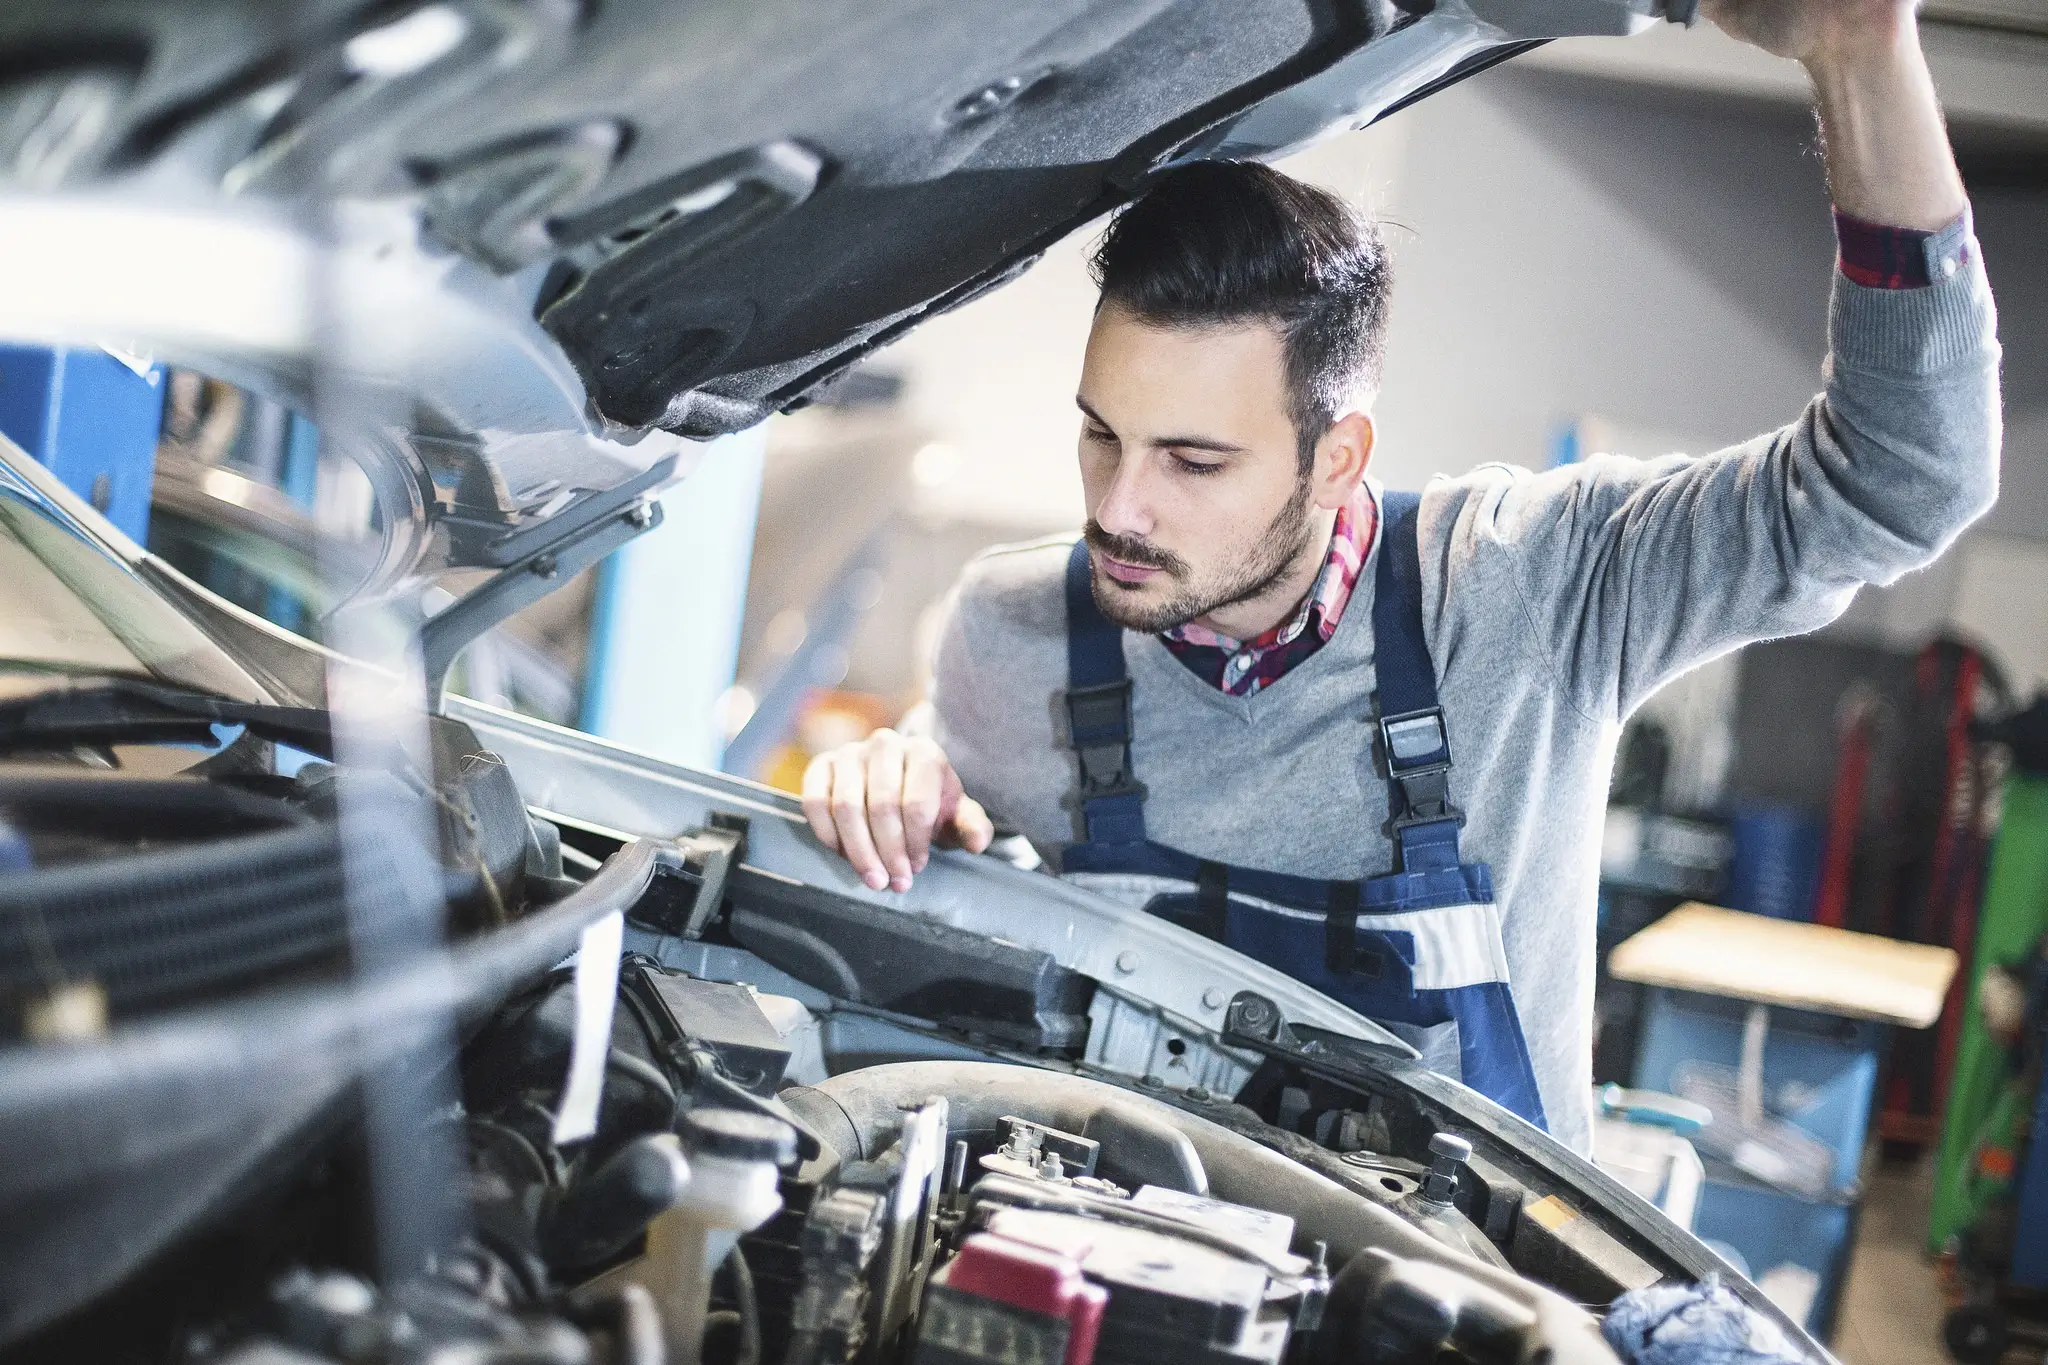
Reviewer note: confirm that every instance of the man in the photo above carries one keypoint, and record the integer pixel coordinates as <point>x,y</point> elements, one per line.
<point>1236,705</point>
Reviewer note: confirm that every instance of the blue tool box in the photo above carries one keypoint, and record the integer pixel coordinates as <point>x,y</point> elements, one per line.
<point>1820,1075</point>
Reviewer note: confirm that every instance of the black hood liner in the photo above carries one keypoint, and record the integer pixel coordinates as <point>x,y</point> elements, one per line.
<point>920,203</point>
<point>723,204</point>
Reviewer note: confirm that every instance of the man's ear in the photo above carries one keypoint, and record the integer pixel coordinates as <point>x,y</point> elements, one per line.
<point>1341,457</point>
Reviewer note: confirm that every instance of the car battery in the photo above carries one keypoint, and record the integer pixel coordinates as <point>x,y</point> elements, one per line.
<point>1005,1302</point>
<point>1169,1298</point>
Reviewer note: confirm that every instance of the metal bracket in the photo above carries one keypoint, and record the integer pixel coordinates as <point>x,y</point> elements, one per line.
<point>712,852</point>
<point>688,899</point>
<point>525,582</point>
<point>492,545</point>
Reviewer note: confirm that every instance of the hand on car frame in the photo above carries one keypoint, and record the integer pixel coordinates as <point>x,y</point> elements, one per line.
<point>884,803</point>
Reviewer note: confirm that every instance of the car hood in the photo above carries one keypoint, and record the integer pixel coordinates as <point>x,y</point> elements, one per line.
<point>555,237</point>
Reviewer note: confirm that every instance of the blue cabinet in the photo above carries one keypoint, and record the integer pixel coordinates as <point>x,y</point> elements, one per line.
<point>1820,1077</point>
<point>92,419</point>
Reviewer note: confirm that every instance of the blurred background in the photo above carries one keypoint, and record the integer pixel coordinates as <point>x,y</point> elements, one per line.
<point>1599,246</point>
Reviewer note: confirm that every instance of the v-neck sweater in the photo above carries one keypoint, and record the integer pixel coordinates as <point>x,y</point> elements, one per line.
<point>1553,603</point>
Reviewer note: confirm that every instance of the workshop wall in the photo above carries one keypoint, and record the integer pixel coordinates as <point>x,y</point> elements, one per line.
<point>1577,247</point>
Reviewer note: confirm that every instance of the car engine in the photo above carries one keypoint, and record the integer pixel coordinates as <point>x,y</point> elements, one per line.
<point>790,1127</point>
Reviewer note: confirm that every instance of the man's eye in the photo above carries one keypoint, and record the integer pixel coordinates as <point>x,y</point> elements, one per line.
<point>1097,435</point>
<point>1187,466</point>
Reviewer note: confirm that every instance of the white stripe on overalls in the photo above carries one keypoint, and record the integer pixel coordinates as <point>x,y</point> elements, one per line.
<point>1455,945</point>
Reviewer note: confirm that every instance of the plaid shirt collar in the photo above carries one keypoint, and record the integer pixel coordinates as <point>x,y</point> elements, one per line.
<point>1243,667</point>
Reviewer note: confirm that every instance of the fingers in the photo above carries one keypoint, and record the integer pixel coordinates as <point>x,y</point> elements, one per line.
<point>885,764</point>
<point>817,798</point>
<point>962,821</point>
<point>881,803</point>
<point>850,815</point>
<point>972,829</point>
<point>926,777</point>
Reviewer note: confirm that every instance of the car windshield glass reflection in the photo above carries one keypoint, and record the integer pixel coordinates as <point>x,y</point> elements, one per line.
<point>71,610</point>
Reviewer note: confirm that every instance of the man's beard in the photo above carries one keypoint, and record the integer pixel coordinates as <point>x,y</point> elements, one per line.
<point>1271,555</point>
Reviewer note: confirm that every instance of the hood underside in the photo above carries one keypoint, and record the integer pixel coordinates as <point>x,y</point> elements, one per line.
<point>687,216</point>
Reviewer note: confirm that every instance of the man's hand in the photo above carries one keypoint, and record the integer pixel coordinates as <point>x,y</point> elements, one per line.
<point>1888,154</point>
<point>883,802</point>
<point>1807,29</point>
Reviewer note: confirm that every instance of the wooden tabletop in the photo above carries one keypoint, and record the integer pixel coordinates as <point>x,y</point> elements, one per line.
<point>1782,962</point>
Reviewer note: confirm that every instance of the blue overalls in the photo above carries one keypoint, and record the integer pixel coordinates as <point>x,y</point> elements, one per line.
<point>1419,946</point>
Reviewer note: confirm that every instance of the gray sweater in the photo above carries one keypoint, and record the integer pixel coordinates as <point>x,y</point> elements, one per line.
<point>1554,603</point>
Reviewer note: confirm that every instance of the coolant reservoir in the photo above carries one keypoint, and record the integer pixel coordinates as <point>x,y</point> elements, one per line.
<point>734,1160</point>
<point>1431,1208</point>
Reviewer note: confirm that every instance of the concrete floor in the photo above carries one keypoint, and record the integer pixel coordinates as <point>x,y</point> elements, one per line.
<point>1891,1314</point>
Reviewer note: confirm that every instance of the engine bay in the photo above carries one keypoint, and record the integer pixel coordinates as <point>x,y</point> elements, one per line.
<point>816,1129</point>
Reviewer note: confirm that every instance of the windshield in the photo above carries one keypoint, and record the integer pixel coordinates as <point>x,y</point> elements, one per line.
<point>70,608</point>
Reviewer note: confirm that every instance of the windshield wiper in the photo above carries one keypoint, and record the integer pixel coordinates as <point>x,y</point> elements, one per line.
<point>117,709</point>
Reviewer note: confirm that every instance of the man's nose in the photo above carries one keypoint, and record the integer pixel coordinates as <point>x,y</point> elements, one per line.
<point>1125,508</point>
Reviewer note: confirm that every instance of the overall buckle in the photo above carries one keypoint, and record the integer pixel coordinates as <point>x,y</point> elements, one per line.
<point>1418,749</point>
<point>1099,727</point>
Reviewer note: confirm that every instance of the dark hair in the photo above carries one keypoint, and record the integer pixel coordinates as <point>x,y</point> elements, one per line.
<point>1233,242</point>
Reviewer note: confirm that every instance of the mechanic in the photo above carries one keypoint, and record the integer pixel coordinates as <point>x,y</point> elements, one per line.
<point>1213,703</point>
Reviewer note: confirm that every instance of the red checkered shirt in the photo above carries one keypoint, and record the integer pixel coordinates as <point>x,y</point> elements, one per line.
<point>1881,257</point>
<point>1242,667</point>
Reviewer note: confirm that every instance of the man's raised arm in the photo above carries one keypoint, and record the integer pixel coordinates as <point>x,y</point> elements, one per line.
<point>1632,571</point>
<point>1888,155</point>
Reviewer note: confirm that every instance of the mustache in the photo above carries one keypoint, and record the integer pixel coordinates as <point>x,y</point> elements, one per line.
<point>1131,550</point>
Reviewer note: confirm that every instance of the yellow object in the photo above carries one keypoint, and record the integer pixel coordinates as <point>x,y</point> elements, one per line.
<point>785,769</point>
<point>71,1013</point>
<point>1782,962</point>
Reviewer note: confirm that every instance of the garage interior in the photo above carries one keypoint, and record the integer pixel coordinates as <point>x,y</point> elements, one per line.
<point>1598,246</point>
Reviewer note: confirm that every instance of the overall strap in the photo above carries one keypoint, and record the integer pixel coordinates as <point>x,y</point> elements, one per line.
<point>1424,827</point>
<point>1099,714</point>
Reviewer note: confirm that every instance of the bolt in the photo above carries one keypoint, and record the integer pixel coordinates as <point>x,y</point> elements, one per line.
<point>1049,1167</point>
<point>1212,999</point>
<point>641,514</point>
<point>544,567</point>
<point>1127,962</point>
<point>1022,1144</point>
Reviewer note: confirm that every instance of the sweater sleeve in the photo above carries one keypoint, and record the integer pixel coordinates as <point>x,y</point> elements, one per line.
<point>999,661</point>
<point>1632,571</point>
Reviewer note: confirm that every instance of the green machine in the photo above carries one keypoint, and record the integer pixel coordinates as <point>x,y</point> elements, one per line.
<point>1992,1100</point>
